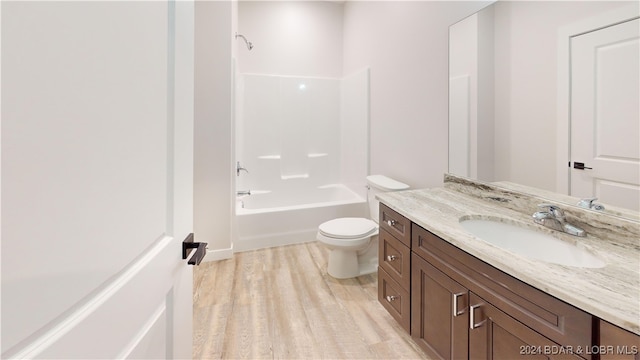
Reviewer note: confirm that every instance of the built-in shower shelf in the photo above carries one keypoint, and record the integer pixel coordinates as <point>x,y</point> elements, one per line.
<point>278,157</point>
<point>295,176</point>
<point>260,192</point>
<point>317,155</point>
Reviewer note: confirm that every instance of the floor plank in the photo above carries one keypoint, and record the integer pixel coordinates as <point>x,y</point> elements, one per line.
<point>280,303</point>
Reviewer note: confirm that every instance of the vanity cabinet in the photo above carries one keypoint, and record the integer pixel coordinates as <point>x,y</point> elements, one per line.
<point>456,306</point>
<point>538,311</point>
<point>394,265</point>
<point>501,314</point>
<point>451,322</point>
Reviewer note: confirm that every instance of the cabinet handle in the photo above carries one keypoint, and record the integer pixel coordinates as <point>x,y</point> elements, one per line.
<point>391,222</point>
<point>391,258</point>
<point>455,297</point>
<point>472,316</point>
<point>390,298</point>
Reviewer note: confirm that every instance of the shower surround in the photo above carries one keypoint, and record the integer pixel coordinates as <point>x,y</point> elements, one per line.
<point>304,141</point>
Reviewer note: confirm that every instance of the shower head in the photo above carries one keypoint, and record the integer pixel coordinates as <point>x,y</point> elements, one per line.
<point>249,44</point>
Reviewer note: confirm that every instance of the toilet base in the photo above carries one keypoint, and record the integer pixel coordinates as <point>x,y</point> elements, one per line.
<point>344,264</point>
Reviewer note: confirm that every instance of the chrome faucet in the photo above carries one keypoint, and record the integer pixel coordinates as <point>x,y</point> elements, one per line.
<point>590,203</point>
<point>240,168</point>
<point>554,218</point>
<point>243,192</point>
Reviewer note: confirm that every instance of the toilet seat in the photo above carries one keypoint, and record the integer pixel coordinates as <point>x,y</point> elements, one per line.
<point>348,228</point>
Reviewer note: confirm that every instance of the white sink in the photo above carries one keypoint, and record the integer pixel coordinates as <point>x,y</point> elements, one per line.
<point>531,244</point>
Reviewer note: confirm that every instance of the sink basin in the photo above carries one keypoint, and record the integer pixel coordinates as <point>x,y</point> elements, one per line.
<point>531,244</point>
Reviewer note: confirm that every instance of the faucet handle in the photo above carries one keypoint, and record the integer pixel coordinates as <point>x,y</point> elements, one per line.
<point>589,203</point>
<point>586,203</point>
<point>553,209</point>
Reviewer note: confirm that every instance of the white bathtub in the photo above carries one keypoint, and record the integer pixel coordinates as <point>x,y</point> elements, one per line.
<point>280,218</point>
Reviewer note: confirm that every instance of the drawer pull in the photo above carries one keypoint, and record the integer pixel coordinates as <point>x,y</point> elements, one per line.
<point>391,258</point>
<point>391,298</point>
<point>472,316</point>
<point>391,222</point>
<point>455,298</point>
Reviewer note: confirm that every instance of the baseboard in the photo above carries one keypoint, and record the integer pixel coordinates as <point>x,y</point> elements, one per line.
<point>272,240</point>
<point>220,254</point>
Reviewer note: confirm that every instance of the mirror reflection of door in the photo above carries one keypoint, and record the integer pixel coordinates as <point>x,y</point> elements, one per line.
<point>605,115</point>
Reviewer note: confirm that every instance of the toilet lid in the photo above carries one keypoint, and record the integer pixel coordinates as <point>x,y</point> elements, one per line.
<point>348,228</point>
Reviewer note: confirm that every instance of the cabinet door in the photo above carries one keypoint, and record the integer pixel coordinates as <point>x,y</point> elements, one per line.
<point>439,316</point>
<point>495,335</point>
<point>617,344</point>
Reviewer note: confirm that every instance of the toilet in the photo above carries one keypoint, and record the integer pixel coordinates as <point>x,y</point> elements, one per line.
<point>353,242</point>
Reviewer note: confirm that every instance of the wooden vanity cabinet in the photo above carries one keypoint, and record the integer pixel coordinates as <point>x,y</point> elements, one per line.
<point>394,265</point>
<point>456,306</point>
<point>443,326</point>
<point>464,308</point>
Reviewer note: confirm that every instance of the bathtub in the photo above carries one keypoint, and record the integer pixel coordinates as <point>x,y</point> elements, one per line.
<point>275,218</point>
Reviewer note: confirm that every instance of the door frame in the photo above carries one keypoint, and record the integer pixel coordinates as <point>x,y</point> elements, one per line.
<point>563,115</point>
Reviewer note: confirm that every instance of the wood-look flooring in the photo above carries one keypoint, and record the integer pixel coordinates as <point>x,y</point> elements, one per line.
<point>280,303</point>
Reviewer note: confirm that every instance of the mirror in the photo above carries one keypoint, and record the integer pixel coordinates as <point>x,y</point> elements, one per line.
<point>506,93</point>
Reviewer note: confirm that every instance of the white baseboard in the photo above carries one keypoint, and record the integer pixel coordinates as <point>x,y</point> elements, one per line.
<point>272,240</point>
<point>220,254</point>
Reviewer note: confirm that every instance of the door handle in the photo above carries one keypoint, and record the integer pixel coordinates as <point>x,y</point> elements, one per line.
<point>201,250</point>
<point>580,166</point>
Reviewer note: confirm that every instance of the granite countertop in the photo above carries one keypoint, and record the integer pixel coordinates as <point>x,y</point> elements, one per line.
<point>611,293</point>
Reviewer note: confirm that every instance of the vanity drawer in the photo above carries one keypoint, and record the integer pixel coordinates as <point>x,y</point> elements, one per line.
<point>395,258</point>
<point>394,298</point>
<point>396,224</point>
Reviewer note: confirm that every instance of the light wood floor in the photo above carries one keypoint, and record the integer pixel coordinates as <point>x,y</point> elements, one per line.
<point>279,303</point>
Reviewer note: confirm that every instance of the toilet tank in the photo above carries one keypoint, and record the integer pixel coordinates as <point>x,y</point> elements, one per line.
<point>379,184</point>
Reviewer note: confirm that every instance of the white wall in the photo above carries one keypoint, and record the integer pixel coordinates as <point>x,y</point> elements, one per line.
<point>405,45</point>
<point>354,131</point>
<point>213,157</point>
<point>526,86</point>
<point>295,38</point>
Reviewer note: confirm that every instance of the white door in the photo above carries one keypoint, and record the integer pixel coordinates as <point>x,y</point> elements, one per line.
<point>97,129</point>
<point>605,119</point>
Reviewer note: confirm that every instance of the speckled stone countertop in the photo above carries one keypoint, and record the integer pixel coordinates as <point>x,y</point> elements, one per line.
<point>611,293</point>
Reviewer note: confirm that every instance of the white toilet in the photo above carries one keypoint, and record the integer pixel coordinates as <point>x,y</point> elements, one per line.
<point>353,242</point>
